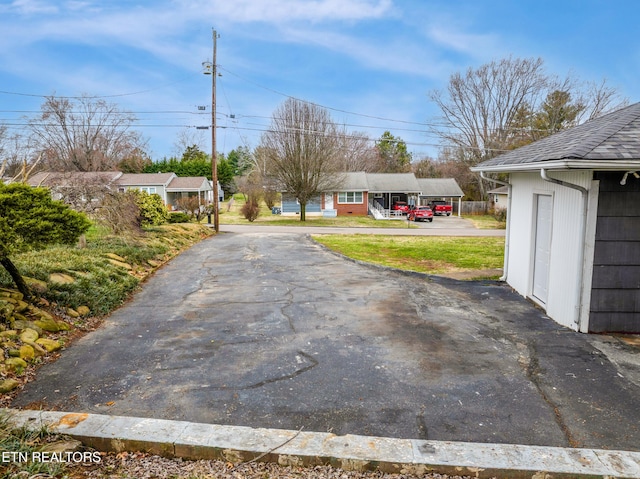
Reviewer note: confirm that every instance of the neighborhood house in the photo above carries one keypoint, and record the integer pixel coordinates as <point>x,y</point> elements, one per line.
<point>375,194</point>
<point>168,186</point>
<point>573,222</point>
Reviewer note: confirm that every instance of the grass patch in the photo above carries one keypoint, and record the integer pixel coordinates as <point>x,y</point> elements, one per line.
<point>100,284</point>
<point>21,443</point>
<point>424,254</point>
<point>486,222</point>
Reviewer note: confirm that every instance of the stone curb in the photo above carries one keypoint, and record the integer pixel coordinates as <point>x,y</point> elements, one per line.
<point>350,452</point>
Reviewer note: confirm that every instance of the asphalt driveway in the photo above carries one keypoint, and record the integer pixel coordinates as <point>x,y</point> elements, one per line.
<point>272,330</point>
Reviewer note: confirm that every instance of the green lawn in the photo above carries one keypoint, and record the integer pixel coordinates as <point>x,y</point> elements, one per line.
<point>424,254</point>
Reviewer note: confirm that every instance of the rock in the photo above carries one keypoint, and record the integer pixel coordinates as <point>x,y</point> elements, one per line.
<point>15,364</point>
<point>9,334</point>
<point>6,308</point>
<point>22,323</point>
<point>83,310</point>
<point>41,313</point>
<point>29,334</point>
<point>37,349</point>
<point>154,263</point>
<point>73,313</point>
<point>116,257</point>
<point>36,285</point>
<point>21,306</point>
<point>51,325</point>
<point>49,344</point>
<point>27,352</point>
<point>20,317</point>
<point>61,278</point>
<point>120,264</point>
<point>13,353</point>
<point>8,385</point>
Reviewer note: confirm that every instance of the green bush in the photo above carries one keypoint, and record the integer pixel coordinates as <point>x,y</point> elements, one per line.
<point>152,210</point>
<point>179,217</point>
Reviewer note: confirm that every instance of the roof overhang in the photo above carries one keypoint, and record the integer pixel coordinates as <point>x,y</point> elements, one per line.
<point>564,164</point>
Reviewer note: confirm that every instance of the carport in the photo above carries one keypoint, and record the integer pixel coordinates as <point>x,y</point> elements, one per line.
<point>446,189</point>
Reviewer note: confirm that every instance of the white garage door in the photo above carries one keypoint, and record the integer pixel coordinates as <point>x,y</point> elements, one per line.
<point>542,250</point>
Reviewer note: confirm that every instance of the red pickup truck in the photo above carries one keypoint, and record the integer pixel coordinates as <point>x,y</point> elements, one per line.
<point>440,207</point>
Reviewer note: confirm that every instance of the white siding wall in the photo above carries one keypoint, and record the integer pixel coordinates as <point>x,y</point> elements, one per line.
<point>565,240</point>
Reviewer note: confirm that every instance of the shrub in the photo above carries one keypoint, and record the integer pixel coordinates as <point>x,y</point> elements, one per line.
<point>120,213</point>
<point>251,210</point>
<point>179,217</point>
<point>153,212</point>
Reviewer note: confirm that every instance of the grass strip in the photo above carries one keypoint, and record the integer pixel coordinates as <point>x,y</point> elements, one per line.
<point>424,254</point>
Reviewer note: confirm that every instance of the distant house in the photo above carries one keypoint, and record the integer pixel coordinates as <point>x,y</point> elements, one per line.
<point>573,223</point>
<point>446,189</point>
<point>362,194</point>
<point>168,186</point>
<point>499,197</point>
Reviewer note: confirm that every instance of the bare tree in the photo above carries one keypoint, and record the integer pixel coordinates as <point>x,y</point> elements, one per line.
<point>85,134</point>
<point>478,107</point>
<point>186,138</point>
<point>356,152</point>
<point>509,103</point>
<point>301,151</point>
<point>600,99</point>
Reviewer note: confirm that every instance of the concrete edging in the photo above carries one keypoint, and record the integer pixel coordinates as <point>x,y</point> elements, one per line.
<point>350,452</point>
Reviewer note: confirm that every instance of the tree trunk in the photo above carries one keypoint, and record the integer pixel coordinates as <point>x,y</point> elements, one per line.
<point>303,211</point>
<point>16,276</point>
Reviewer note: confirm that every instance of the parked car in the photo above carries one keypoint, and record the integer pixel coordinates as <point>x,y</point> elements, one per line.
<point>420,213</point>
<point>440,207</point>
<point>400,206</point>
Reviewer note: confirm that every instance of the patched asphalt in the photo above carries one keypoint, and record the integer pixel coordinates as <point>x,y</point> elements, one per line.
<point>272,330</point>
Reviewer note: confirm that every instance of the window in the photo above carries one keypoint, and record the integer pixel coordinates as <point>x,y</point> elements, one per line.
<point>350,197</point>
<point>151,189</point>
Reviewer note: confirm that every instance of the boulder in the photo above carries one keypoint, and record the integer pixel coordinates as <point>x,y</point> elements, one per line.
<point>9,334</point>
<point>51,325</point>
<point>61,278</point>
<point>116,257</point>
<point>29,334</point>
<point>8,385</point>
<point>72,313</point>
<point>49,344</point>
<point>36,285</point>
<point>120,264</point>
<point>15,364</point>
<point>27,352</point>
<point>41,313</point>
<point>83,310</point>
<point>21,306</point>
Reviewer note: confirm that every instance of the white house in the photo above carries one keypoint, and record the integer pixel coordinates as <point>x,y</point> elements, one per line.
<point>168,186</point>
<point>573,222</point>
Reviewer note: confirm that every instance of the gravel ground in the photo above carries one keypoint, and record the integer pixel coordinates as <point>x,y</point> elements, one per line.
<point>145,466</point>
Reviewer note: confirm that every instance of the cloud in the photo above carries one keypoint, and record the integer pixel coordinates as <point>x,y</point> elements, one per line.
<point>284,11</point>
<point>29,7</point>
<point>467,43</point>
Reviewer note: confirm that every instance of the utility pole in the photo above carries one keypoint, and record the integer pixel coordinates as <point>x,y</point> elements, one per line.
<point>211,69</point>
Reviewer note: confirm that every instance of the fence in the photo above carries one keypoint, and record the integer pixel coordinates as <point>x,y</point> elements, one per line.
<point>473,207</point>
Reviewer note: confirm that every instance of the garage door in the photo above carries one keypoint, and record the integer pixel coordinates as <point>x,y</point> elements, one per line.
<point>542,250</point>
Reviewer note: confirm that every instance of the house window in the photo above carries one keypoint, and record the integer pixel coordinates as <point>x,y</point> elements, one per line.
<point>350,197</point>
<point>148,189</point>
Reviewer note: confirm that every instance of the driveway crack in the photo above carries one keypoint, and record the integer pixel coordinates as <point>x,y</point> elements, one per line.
<point>531,366</point>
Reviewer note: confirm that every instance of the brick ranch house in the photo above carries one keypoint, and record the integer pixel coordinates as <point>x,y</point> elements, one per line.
<point>363,194</point>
